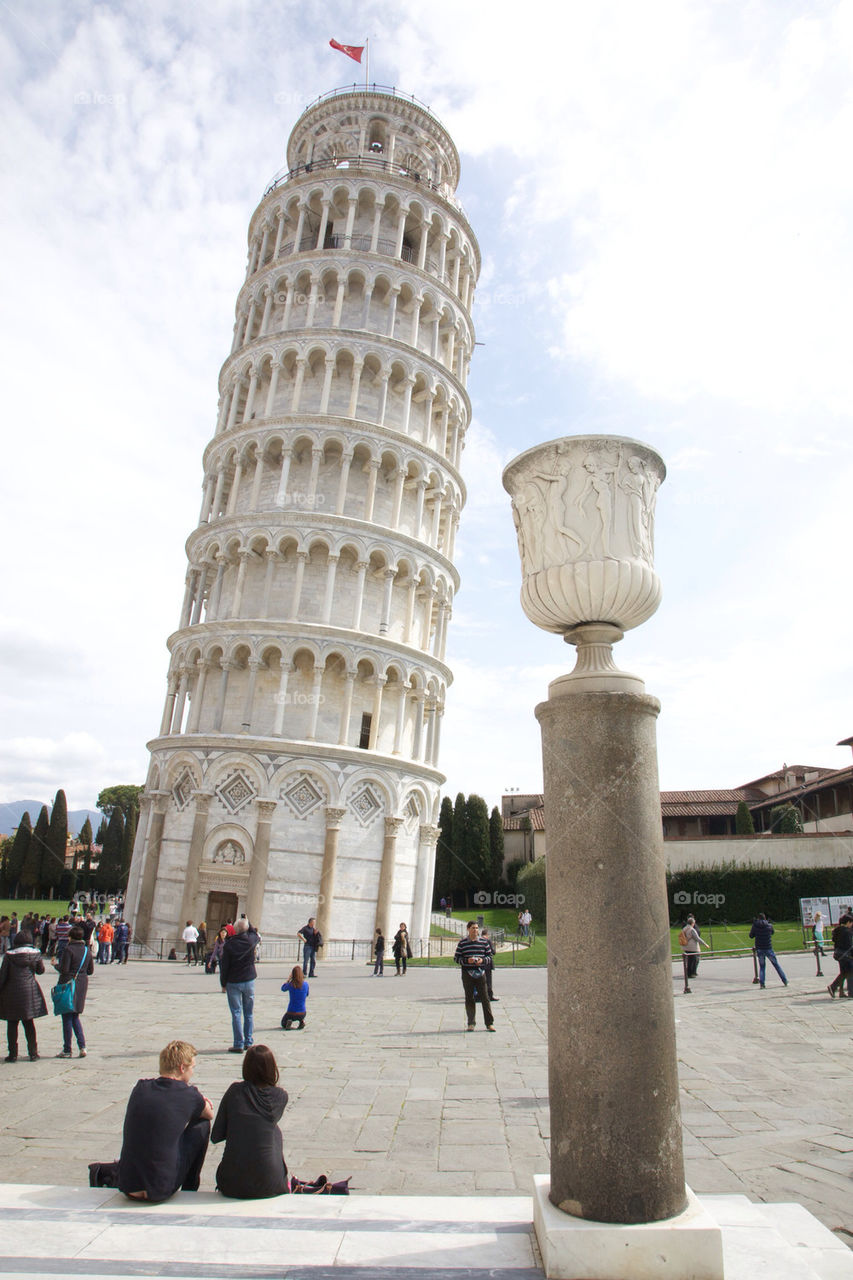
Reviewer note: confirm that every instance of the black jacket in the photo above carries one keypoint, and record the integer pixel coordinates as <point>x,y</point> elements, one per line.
<point>69,964</point>
<point>252,1164</point>
<point>21,997</point>
<point>238,958</point>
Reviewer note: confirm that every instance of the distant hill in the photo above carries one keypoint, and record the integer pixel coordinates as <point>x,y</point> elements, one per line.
<point>12,812</point>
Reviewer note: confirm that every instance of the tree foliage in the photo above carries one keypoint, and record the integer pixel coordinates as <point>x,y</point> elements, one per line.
<point>496,845</point>
<point>53,861</point>
<point>108,874</point>
<point>785,819</point>
<point>18,853</point>
<point>31,870</point>
<point>744,826</point>
<point>443,851</point>
<point>122,796</point>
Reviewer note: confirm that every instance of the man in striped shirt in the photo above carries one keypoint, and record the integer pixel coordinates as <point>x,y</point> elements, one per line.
<point>472,956</point>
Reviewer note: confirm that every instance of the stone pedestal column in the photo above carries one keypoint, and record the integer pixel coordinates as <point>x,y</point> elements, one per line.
<point>334,818</point>
<point>202,802</point>
<point>260,862</point>
<point>583,509</point>
<point>615,1121</point>
<point>150,866</point>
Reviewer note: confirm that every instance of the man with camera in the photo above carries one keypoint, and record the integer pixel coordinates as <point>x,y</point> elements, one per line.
<point>473,955</point>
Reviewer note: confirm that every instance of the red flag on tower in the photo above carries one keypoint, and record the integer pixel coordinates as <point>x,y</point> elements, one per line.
<point>353,51</point>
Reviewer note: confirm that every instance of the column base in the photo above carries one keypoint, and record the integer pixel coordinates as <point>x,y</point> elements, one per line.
<point>686,1247</point>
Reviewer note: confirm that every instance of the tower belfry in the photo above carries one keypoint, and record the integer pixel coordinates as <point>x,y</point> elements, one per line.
<point>296,768</point>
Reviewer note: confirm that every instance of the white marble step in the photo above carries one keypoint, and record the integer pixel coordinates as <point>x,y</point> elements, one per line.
<point>50,1231</point>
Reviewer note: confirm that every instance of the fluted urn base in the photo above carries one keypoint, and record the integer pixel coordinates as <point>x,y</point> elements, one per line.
<point>595,670</point>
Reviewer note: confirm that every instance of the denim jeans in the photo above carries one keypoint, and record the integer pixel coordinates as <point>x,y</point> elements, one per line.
<point>309,957</point>
<point>770,955</point>
<point>71,1022</point>
<point>241,1002</point>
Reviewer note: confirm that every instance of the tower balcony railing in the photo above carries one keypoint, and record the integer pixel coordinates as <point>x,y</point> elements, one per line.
<point>387,90</point>
<point>366,164</point>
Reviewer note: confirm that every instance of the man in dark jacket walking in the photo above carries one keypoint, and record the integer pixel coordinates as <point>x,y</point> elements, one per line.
<point>762,932</point>
<point>237,975</point>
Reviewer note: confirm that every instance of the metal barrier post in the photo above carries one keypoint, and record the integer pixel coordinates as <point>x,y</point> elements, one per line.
<point>684,959</point>
<point>754,967</point>
<point>817,955</point>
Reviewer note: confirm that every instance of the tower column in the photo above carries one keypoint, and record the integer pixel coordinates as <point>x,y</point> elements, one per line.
<point>198,695</point>
<point>281,700</point>
<point>248,705</point>
<point>334,818</point>
<point>202,801</point>
<point>150,865</point>
<point>346,709</point>
<point>260,862</point>
<point>275,371</point>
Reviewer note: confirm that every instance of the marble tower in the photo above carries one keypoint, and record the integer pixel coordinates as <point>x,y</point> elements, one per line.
<point>295,772</point>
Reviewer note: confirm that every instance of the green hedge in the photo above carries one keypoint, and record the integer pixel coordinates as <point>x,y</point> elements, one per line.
<point>747,890</point>
<point>744,891</point>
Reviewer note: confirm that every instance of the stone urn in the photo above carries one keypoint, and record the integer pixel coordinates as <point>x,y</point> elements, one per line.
<point>583,508</point>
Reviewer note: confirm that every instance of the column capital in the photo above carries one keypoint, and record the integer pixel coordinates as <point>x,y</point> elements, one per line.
<point>266,808</point>
<point>334,817</point>
<point>428,833</point>
<point>392,826</point>
<point>202,800</point>
<point>160,800</point>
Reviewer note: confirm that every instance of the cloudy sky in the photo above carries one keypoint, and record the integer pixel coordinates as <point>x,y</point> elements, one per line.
<point>663,196</point>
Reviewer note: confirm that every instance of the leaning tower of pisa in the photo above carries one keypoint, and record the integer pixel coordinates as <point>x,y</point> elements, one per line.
<point>296,768</point>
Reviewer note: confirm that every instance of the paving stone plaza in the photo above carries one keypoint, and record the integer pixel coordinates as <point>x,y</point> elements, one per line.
<point>386,1085</point>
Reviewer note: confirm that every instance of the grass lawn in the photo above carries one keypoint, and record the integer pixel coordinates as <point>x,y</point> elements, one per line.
<point>496,918</point>
<point>42,906</point>
<point>788,936</point>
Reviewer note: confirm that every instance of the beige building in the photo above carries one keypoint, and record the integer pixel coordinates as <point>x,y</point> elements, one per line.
<point>295,772</point>
<point>699,826</point>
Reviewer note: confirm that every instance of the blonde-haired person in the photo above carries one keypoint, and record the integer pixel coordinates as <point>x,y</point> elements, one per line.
<point>166,1130</point>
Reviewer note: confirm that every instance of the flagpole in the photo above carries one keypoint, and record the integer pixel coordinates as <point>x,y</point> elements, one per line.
<point>366,60</point>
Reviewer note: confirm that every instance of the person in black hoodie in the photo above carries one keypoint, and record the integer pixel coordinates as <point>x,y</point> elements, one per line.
<point>237,975</point>
<point>252,1165</point>
<point>21,997</point>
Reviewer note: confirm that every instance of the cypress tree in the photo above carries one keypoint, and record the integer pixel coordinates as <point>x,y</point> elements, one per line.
<point>496,845</point>
<point>108,874</point>
<point>53,862</point>
<point>19,851</point>
<point>127,845</point>
<point>744,826</point>
<point>478,856</point>
<point>459,880</point>
<point>85,840</point>
<point>443,851</point>
<point>31,870</point>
